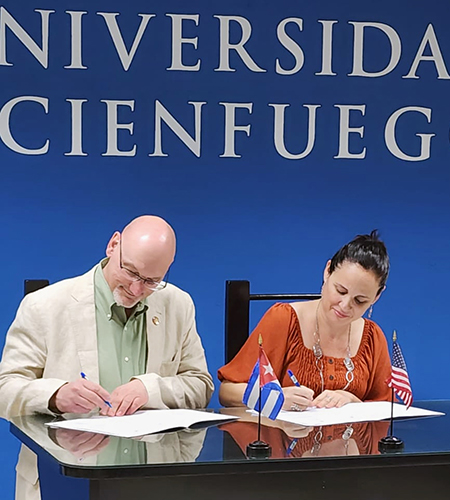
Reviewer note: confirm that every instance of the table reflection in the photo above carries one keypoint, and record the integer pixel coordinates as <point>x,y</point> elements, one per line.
<point>323,460</point>
<point>227,443</point>
<point>295,441</point>
<point>85,448</point>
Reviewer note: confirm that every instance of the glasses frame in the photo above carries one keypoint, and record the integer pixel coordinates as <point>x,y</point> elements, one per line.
<point>150,284</point>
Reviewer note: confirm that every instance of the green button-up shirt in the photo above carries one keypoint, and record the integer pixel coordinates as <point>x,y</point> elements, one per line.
<point>122,342</point>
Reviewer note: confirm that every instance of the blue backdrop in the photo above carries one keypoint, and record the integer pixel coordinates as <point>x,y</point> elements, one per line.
<point>267,133</point>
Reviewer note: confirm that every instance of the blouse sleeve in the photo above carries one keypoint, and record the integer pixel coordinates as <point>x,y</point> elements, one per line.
<point>276,328</point>
<point>377,389</point>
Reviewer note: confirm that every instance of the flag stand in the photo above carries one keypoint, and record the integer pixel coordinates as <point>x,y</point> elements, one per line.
<point>258,448</point>
<point>391,443</point>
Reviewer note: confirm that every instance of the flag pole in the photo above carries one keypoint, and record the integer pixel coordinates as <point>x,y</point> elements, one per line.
<point>258,448</point>
<point>391,443</point>
<point>391,427</point>
<point>260,388</point>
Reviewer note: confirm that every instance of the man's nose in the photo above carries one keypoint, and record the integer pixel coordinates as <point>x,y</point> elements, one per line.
<point>137,287</point>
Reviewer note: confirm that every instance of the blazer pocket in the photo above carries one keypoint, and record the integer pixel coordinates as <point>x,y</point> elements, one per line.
<point>169,369</point>
<point>27,465</point>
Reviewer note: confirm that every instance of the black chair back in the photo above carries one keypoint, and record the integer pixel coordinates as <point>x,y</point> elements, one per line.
<point>237,312</point>
<point>33,285</point>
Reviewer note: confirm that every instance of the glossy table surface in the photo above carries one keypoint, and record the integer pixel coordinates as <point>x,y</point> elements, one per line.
<point>222,449</point>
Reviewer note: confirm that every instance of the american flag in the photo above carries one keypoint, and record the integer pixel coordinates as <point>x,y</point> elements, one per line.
<point>399,379</point>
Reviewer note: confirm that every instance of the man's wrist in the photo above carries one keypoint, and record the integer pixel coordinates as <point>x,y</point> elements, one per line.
<point>52,406</point>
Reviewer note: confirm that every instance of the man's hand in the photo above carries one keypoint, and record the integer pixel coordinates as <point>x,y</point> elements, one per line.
<point>127,398</point>
<point>81,444</point>
<point>81,396</point>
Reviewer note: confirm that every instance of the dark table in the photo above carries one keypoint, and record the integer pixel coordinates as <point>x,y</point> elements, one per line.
<point>211,463</point>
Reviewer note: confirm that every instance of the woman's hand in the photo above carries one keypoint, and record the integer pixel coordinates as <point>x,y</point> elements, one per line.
<point>334,399</point>
<point>297,398</point>
<point>294,430</point>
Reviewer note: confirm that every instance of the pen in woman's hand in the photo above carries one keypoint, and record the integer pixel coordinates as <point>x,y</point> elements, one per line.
<point>294,442</point>
<point>293,378</point>
<point>83,375</point>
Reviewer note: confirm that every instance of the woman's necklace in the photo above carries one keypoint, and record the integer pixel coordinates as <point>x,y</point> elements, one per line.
<point>317,350</point>
<point>346,435</point>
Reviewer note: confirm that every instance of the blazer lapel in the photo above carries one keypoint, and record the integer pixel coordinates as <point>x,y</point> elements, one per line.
<point>156,319</point>
<point>83,325</point>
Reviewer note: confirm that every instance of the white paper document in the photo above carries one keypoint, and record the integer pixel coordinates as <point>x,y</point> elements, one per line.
<point>353,412</point>
<point>144,422</point>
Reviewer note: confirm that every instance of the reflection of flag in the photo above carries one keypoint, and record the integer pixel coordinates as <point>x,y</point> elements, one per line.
<point>272,397</point>
<point>399,379</point>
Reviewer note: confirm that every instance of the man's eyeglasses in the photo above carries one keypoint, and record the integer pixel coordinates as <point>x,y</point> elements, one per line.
<point>147,282</point>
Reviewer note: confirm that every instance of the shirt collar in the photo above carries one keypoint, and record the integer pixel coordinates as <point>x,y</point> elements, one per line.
<point>104,297</point>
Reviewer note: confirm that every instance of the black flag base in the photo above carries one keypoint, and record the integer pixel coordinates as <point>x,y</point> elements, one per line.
<point>258,449</point>
<point>390,444</point>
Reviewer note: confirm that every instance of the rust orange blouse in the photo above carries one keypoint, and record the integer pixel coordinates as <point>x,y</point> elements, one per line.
<point>283,344</point>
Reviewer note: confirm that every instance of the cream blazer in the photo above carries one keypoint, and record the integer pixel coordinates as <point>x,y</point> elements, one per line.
<point>53,338</point>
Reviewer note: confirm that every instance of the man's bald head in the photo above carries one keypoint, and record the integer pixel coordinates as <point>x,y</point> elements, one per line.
<point>150,241</point>
<point>146,247</point>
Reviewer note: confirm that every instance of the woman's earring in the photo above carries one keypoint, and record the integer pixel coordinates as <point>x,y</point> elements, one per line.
<point>369,315</point>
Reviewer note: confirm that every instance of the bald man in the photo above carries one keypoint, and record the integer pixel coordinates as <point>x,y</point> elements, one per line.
<point>121,324</point>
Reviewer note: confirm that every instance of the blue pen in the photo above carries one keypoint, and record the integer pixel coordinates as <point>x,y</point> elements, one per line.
<point>291,446</point>
<point>294,441</point>
<point>83,375</point>
<point>293,378</point>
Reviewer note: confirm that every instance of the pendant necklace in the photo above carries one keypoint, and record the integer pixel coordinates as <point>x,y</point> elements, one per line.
<point>346,435</point>
<point>318,354</point>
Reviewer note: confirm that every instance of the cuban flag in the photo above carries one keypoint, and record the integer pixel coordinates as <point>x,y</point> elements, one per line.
<point>272,397</point>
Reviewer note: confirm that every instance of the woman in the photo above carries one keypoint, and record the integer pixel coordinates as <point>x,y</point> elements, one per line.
<point>337,356</point>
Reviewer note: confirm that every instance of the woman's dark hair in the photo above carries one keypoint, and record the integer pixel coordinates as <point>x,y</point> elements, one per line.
<point>369,252</point>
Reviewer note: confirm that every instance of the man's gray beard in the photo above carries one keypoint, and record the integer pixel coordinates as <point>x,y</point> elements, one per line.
<point>118,299</point>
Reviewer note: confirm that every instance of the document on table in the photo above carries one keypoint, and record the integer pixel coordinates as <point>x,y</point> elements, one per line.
<point>144,422</point>
<point>353,412</point>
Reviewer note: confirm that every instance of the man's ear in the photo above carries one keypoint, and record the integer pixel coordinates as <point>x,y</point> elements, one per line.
<point>112,244</point>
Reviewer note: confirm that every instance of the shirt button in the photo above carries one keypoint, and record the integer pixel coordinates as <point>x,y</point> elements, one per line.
<point>330,361</point>
<point>127,359</point>
<point>109,316</point>
<point>125,451</point>
<point>331,377</point>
